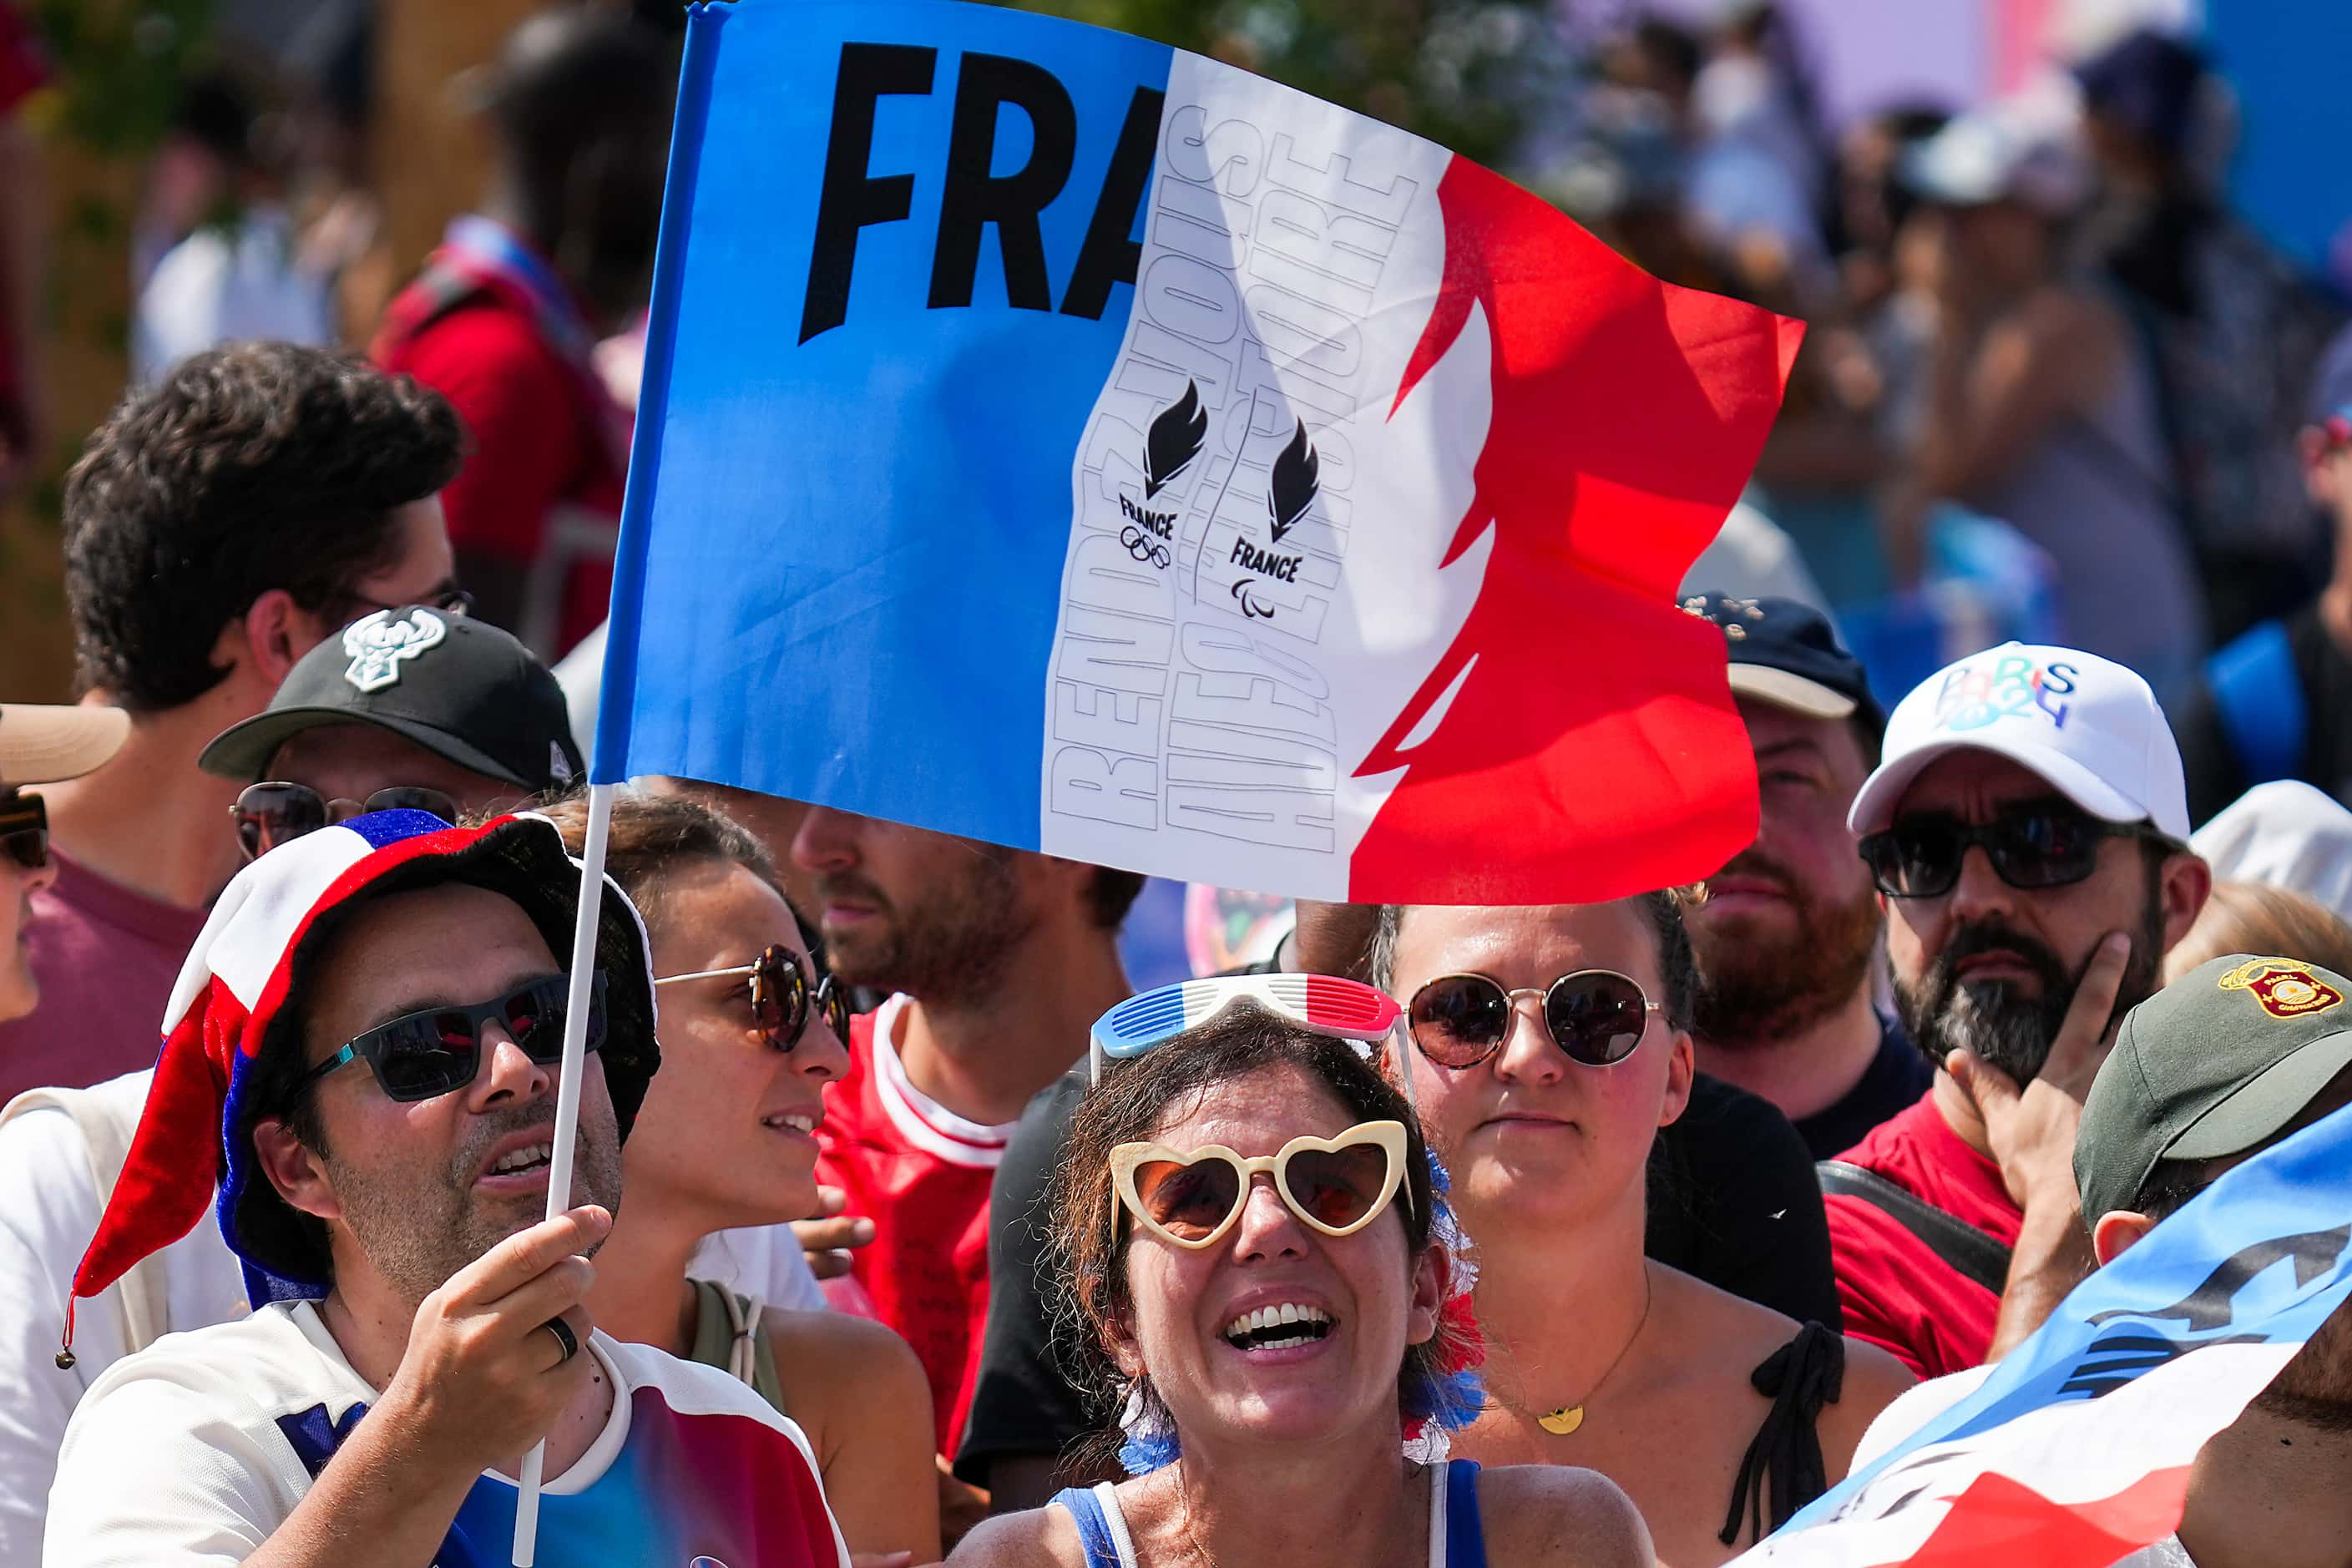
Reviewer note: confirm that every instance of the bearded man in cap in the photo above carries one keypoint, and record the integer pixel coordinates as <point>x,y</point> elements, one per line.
<point>365,1052</point>
<point>1785,935</point>
<point>2028,829</point>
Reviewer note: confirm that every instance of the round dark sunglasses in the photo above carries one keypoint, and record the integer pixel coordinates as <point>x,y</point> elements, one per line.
<point>782,999</point>
<point>270,813</point>
<point>24,829</point>
<point>438,1050</point>
<point>1919,857</point>
<point>1595,1016</point>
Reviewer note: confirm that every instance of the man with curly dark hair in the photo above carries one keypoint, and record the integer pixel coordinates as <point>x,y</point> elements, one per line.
<point>218,526</point>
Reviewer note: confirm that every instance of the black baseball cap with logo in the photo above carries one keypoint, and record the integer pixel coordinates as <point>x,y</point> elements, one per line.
<point>1785,652</point>
<point>461,689</point>
<point>2216,1062</point>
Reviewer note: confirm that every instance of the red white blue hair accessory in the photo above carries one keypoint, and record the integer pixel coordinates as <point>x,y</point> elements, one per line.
<point>1324,1004</point>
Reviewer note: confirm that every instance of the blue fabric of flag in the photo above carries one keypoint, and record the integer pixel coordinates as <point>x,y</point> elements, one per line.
<point>774,527</point>
<point>2263,1255</point>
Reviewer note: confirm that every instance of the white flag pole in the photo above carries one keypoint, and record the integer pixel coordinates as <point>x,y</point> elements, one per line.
<point>567,1107</point>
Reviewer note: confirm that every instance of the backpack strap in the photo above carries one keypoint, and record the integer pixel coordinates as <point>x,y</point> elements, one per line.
<point>146,1308</point>
<point>2258,696</point>
<point>437,291</point>
<point>1976,1255</point>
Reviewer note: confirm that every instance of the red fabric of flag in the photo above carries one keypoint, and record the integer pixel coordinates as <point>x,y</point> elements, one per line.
<point>1592,749</point>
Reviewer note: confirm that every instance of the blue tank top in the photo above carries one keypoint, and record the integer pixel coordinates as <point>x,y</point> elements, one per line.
<point>1455,1537</point>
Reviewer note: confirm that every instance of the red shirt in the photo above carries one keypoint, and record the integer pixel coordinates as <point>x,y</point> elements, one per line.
<point>542,430</point>
<point>1897,1292</point>
<point>920,1173</point>
<point>106,957</point>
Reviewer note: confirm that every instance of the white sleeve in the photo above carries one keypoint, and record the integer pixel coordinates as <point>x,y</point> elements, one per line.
<point>48,1218</point>
<point>155,1472</point>
<point>762,1261</point>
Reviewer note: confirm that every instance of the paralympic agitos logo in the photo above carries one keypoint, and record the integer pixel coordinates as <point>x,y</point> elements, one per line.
<point>1291,489</point>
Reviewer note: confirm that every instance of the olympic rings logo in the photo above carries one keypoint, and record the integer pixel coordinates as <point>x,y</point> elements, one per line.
<point>1141,546</point>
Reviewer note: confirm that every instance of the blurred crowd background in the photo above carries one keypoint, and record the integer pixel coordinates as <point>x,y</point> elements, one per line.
<point>2072,267</point>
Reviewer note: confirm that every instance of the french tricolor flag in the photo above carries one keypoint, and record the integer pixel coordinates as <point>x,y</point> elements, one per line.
<point>1061,441</point>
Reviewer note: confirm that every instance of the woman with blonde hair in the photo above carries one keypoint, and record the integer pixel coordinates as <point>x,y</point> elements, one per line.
<point>1547,1047</point>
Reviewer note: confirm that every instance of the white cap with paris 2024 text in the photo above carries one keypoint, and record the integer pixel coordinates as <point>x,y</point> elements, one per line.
<point>2087,725</point>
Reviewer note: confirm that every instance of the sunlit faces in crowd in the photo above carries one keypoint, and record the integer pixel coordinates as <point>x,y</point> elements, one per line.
<point>1365,1298</point>
<point>1530,1135</point>
<point>727,1126</point>
<point>424,1187</point>
<point>1993,967</point>
<point>1785,932</point>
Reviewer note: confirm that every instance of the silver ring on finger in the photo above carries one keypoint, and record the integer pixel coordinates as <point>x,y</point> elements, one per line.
<point>565,1337</point>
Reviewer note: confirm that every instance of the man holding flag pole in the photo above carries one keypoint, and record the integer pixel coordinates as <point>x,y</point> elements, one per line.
<point>370,1038</point>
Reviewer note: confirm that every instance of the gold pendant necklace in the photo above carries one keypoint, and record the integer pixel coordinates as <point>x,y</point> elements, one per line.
<point>1564,1421</point>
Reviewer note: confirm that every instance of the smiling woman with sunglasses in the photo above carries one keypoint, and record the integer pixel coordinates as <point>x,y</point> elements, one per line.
<point>751,1032</point>
<point>1266,1293</point>
<point>1549,1047</point>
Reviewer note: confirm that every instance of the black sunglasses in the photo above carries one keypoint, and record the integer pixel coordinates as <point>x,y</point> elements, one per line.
<point>782,999</point>
<point>25,829</point>
<point>1595,1015</point>
<point>2040,847</point>
<point>438,1050</point>
<point>270,813</point>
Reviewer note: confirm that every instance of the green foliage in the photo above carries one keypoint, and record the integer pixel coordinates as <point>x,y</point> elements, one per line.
<point>121,65</point>
<point>1463,73</point>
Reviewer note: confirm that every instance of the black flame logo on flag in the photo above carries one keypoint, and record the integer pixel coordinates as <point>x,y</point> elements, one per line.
<point>1175,441</point>
<point>1294,484</point>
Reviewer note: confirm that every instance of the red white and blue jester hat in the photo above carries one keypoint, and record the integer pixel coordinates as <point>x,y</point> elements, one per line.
<point>236,1006</point>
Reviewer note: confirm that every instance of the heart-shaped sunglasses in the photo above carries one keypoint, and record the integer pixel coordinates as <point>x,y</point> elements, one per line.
<point>1190,1198</point>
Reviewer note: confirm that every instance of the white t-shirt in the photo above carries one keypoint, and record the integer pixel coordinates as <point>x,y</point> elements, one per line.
<point>46,1221</point>
<point>224,283</point>
<point>1923,1401</point>
<point>196,1450</point>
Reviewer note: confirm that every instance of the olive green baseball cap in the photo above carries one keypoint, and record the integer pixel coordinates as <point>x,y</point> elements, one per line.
<point>2215,1063</point>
